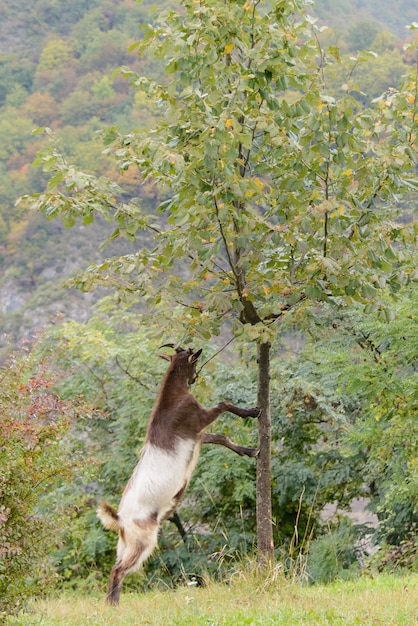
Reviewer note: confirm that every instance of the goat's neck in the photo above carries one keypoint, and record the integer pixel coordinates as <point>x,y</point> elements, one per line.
<point>175,382</point>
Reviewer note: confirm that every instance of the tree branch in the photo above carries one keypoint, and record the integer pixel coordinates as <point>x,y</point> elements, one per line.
<point>131,376</point>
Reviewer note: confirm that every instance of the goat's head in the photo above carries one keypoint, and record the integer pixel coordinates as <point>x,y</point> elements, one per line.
<point>183,360</point>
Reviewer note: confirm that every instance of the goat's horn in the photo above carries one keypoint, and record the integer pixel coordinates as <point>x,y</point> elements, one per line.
<point>172,345</point>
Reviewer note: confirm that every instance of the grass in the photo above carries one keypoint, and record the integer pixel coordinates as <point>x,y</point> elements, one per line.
<point>381,601</point>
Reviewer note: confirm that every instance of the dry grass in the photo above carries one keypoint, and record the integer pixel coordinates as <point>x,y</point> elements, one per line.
<point>381,601</point>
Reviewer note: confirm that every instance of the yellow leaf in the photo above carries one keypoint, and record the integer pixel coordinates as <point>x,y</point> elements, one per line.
<point>229,123</point>
<point>338,212</point>
<point>228,48</point>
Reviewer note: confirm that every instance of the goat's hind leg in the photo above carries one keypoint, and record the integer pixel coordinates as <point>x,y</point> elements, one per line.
<point>115,583</point>
<point>120,571</point>
<point>132,552</point>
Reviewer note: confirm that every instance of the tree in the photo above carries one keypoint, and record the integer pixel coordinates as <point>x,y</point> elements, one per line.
<point>274,194</point>
<point>362,35</point>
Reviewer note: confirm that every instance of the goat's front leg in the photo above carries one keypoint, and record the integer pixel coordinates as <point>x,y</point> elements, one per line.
<point>237,410</point>
<point>207,416</point>
<point>222,440</point>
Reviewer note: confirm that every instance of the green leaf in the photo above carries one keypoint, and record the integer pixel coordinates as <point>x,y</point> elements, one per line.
<point>314,292</point>
<point>88,219</point>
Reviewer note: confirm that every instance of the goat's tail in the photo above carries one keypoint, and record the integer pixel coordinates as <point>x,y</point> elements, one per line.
<point>108,516</point>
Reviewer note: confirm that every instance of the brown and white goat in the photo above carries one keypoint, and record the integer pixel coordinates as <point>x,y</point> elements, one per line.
<point>168,458</point>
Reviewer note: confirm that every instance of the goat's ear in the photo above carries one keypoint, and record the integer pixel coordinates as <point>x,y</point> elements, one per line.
<point>193,357</point>
<point>166,357</point>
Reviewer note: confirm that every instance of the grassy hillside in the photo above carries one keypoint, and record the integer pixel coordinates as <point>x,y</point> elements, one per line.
<point>385,600</point>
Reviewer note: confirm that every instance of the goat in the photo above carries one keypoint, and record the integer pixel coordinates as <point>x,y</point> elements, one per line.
<point>168,458</point>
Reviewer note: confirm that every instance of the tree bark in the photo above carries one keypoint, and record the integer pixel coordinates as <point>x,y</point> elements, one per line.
<point>265,545</point>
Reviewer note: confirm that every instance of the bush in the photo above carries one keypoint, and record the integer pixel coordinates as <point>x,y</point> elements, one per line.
<point>403,556</point>
<point>33,461</point>
<point>334,555</point>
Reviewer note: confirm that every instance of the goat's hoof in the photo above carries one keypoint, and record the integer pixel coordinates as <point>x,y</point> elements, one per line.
<point>112,601</point>
<point>251,452</point>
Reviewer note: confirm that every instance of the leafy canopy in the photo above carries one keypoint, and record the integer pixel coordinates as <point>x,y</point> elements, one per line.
<point>274,192</point>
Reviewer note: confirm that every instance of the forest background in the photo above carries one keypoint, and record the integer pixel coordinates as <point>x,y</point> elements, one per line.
<point>340,419</point>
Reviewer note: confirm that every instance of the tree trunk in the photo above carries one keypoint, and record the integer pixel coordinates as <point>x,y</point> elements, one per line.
<point>265,544</point>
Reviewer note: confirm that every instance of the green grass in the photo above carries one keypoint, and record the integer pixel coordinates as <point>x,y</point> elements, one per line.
<point>381,601</point>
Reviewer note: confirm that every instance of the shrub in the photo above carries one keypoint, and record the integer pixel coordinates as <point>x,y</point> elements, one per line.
<point>32,461</point>
<point>333,555</point>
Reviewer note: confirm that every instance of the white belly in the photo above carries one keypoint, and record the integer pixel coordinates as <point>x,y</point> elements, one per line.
<point>158,477</point>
